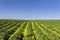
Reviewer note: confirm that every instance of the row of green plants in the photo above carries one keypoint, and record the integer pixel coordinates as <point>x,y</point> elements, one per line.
<point>29,30</point>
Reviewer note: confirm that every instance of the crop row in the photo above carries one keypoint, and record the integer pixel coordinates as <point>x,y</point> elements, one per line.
<point>29,30</point>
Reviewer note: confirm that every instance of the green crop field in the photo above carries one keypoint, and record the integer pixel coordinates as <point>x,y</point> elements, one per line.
<point>29,29</point>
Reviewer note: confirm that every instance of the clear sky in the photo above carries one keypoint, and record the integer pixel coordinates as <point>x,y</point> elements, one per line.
<point>30,9</point>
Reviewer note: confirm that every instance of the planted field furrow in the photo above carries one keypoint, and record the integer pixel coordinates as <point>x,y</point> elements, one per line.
<point>35,34</point>
<point>38,33</point>
<point>15,26</point>
<point>43,31</point>
<point>29,29</point>
<point>28,33</point>
<point>18,32</point>
<point>8,32</point>
<point>6,24</point>
<point>9,26</point>
<point>25,30</point>
<point>52,33</point>
<point>55,28</point>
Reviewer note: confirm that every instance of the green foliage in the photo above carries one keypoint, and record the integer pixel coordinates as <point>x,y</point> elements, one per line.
<point>29,29</point>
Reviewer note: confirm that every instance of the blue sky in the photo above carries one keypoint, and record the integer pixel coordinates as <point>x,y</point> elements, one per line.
<point>30,9</point>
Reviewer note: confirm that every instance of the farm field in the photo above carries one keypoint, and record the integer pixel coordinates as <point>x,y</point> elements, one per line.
<point>29,29</point>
